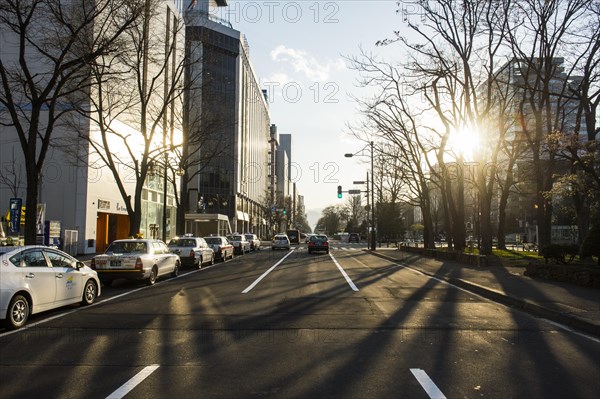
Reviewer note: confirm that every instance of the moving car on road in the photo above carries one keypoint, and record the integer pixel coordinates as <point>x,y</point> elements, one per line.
<point>280,241</point>
<point>354,237</point>
<point>136,259</point>
<point>294,236</point>
<point>221,247</point>
<point>193,251</point>
<point>318,242</point>
<point>35,278</point>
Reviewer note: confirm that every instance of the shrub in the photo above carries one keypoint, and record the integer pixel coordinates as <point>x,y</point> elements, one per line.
<point>591,243</point>
<point>559,253</point>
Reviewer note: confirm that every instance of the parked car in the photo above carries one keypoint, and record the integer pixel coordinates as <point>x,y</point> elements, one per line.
<point>240,244</point>
<point>254,241</point>
<point>354,237</point>
<point>280,241</point>
<point>136,259</point>
<point>193,251</point>
<point>318,242</point>
<point>221,247</point>
<point>35,278</point>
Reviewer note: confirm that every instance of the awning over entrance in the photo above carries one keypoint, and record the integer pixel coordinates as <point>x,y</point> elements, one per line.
<point>242,216</point>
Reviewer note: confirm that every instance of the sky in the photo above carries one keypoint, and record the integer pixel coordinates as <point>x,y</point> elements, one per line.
<point>299,52</point>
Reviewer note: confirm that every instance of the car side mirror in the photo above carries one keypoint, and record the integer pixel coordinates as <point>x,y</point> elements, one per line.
<point>79,265</point>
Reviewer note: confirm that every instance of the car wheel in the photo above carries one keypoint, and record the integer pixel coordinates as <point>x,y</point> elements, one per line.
<point>18,312</point>
<point>90,292</point>
<point>152,278</point>
<point>175,271</point>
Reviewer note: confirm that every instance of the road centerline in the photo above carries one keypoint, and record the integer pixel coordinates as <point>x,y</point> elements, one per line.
<point>265,274</point>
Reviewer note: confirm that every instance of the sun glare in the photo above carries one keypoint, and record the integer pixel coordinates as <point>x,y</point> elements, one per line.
<point>464,142</point>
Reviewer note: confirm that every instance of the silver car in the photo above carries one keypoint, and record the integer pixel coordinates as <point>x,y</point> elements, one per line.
<point>280,241</point>
<point>192,251</point>
<point>35,278</point>
<point>239,242</point>
<point>136,259</point>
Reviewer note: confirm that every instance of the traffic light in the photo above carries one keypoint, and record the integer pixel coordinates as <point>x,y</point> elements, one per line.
<point>284,212</point>
<point>339,191</point>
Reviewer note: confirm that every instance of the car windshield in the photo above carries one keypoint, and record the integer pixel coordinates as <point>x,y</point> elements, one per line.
<point>280,237</point>
<point>127,247</point>
<point>249,236</point>
<point>318,238</point>
<point>213,240</point>
<point>182,242</point>
<point>235,238</point>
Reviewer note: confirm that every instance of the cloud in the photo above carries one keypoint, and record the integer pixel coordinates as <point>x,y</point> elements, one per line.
<point>306,64</point>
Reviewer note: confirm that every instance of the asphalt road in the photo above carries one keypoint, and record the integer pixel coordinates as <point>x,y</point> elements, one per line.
<point>293,325</point>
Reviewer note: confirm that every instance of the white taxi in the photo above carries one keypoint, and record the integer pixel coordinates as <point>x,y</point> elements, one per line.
<point>136,259</point>
<point>36,278</point>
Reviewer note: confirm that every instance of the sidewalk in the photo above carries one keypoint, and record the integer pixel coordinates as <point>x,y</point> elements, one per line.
<point>568,304</point>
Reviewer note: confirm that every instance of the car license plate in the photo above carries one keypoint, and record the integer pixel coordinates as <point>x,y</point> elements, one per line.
<point>115,263</point>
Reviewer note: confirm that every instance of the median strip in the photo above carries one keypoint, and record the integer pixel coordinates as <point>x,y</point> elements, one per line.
<point>251,286</point>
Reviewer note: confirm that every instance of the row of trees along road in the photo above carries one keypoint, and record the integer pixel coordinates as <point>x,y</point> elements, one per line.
<point>109,76</point>
<point>519,77</point>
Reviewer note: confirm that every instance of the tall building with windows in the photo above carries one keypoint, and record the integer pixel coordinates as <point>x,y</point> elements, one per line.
<point>228,129</point>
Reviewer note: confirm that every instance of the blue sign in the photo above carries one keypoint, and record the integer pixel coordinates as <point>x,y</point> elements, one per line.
<point>15,214</point>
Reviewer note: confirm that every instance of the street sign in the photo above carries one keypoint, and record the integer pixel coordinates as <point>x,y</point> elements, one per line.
<point>358,182</point>
<point>353,191</point>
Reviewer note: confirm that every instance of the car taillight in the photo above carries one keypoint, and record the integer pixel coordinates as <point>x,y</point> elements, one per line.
<point>139,265</point>
<point>93,264</point>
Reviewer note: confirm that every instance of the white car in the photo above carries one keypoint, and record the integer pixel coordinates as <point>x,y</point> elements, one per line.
<point>136,259</point>
<point>280,241</point>
<point>192,251</point>
<point>35,278</point>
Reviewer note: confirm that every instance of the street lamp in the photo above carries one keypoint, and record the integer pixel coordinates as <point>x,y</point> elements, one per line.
<point>373,233</point>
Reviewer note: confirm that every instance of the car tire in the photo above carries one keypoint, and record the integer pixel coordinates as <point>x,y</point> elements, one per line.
<point>175,271</point>
<point>90,292</point>
<point>151,280</point>
<point>18,312</point>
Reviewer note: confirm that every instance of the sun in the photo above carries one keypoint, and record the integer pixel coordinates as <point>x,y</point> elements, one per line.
<point>465,142</point>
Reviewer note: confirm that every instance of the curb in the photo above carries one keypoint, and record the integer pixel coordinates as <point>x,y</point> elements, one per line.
<point>526,306</point>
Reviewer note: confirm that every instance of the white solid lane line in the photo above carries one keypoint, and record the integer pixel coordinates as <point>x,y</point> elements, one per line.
<point>348,279</point>
<point>428,385</point>
<point>251,286</point>
<point>133,382</point>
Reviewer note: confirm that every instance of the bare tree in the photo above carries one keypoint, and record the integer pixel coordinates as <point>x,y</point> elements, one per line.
<point>49,48</point>
<point>11,175</point>
<point>135,107</point>
<point>540,32</point>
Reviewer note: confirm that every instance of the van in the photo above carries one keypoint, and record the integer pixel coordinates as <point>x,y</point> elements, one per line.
<point>294,236</point>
